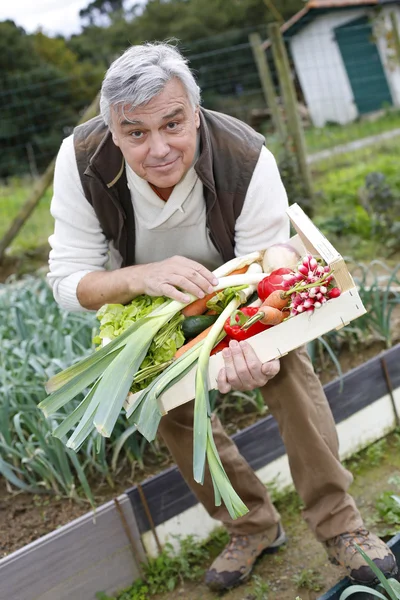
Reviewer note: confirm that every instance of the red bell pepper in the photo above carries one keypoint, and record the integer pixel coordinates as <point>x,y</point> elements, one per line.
<point>272,282</point>
<point>233,324</point>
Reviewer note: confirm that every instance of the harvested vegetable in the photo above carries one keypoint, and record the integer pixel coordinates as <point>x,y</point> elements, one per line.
<point>233,325</point>
<point>203,441</point>
<point>200,306</point>
<point>278,256</point>
<point>191,343</point>
<point>193,326</point>
<point>275,281</point>
<point>112,369</point>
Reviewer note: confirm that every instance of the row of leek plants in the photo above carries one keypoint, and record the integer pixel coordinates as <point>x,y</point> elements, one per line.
<point>37,339</point>
<point>379,287</point>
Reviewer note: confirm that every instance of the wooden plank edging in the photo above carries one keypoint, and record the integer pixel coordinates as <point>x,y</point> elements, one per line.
<point>90,554</point>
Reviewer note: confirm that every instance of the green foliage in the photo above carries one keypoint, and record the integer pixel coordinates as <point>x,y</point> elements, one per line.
<point>379,291</point>
<point>224,405</point>
<point>334,134</point>
<point>170,568</point>
<point>373,455</point>
<point>382,203</point>
<point>388,507</point>
<point>259,589</point>
<point>293,182</point>
<point>309,579</point>
<point>37,229</point>
<point>44,88</point>
<point>164,573</point>
<point>37,339</point>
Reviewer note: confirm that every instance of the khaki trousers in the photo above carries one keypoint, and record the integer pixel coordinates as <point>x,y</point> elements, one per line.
<point>296,399</point>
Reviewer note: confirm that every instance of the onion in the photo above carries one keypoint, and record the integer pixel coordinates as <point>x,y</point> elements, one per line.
<point>280,255</point>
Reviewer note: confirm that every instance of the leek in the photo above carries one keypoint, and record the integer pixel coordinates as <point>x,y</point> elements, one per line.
<point>114,366</point>
<point>203,441</point>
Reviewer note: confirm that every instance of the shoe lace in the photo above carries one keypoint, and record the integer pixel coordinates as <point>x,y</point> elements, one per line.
<point>237,542</point>
<point>349,539</point>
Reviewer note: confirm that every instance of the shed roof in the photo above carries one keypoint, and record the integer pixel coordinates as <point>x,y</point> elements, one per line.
<point>317,7</point>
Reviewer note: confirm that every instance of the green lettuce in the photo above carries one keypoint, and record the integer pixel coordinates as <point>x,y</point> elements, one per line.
<point>115,318</point>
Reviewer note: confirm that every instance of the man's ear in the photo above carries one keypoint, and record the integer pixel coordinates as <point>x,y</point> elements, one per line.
<point>197,116</point>
<point>114,139</point>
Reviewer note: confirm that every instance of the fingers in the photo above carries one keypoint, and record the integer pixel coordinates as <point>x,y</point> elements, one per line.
<point>271,368</point>
<point>202,272</point>
<point>243,370</point>
<point>175,276</point>
<point>193,283</point>
<point>222,382</point>
<point>171,292</point>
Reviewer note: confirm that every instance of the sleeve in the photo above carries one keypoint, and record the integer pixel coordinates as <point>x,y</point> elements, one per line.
<point>263,220</point>
<point>78,245</point>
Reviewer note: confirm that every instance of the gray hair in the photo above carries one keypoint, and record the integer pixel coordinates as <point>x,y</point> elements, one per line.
<point>141,73</point>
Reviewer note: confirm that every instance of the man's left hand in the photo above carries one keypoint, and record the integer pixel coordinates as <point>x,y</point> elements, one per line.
<point>243,371</point>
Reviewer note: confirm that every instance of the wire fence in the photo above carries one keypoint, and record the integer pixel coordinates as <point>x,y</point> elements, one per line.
<point>345,67</point>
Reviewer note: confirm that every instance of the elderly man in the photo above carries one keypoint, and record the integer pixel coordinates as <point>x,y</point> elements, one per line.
<point>165,191</point>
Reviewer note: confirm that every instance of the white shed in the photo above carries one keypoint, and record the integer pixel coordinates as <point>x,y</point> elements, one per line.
<point>344,58</point>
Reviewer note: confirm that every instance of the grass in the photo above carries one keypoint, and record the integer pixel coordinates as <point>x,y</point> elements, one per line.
<point>40,224</point>
<point>333,134</point>
<point>346,173</point>
<point>321,138</point>
<point>339,213</point>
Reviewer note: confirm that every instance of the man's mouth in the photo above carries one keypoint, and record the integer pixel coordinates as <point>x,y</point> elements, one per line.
<point>162,165</point>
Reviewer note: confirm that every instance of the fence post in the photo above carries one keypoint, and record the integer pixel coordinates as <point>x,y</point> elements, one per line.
<point>294,125</point>
<point>267,84</point>
<point>396,36</point>
<point>38,190</point>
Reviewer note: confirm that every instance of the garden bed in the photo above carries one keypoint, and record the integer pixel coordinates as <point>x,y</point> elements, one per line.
<point>24,517</point>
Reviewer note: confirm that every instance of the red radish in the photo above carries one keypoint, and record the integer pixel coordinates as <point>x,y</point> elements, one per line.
<point>334,293</point>
<point>271,283</point>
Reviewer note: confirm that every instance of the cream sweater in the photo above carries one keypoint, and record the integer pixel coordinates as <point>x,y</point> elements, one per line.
<point>163,229</point>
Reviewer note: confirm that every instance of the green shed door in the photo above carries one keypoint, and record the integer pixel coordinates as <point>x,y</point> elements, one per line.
<point>363,65</point>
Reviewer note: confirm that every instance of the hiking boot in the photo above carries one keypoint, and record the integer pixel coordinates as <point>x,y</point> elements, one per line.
<point>342,551</point>
<point>236,561</point>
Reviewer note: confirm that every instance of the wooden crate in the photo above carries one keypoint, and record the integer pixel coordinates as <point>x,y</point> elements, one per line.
<point>294,332</point>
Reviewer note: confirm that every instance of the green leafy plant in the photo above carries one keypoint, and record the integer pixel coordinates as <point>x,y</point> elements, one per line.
<point>389,586</point>
<point>169,569</point>
<point>379,289</point>
<point>309,579</point>
<point>37,339</point>
<point>259,588</point>
<point>382,203</point>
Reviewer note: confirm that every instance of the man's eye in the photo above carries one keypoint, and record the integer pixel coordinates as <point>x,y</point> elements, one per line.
<point>137,134</point>
<point>172,125</point>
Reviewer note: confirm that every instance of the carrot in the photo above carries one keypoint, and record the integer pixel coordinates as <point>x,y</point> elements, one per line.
<point>199,306</point>
<point>192,342</point>
<point>276,300</point>
<point>272,316</point>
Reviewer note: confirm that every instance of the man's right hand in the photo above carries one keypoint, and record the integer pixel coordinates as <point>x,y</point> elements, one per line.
<point>174,276</point>
<point>171,277</point>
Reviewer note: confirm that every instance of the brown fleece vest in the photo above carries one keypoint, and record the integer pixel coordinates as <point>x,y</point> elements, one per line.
<point>229,151</point>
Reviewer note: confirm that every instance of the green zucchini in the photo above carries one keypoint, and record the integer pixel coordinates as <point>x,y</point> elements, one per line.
<point>193,326</point>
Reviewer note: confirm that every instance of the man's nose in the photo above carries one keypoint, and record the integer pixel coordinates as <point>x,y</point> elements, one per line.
<point>158,146</point>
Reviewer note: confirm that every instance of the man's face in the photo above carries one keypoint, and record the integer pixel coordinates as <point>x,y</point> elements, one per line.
<point>158,140</point>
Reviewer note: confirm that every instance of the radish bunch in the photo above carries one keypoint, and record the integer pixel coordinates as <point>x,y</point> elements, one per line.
<point>309,286</point>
